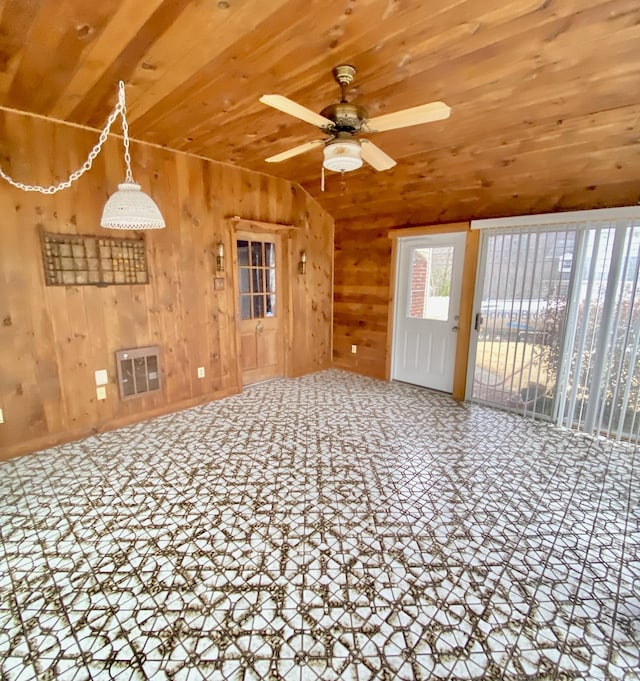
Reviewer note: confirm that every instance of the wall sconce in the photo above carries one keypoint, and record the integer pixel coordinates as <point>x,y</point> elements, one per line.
<point>302,265</point>
<point>220,257</point>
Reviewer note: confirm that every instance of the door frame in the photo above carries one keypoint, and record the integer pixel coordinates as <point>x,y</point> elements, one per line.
<point>467,291</point>
<point>284,232</point>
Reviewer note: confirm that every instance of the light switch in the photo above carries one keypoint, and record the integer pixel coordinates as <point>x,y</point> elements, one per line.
<point>200,372</point>
<point>101,377</point>
<point>101,392</point>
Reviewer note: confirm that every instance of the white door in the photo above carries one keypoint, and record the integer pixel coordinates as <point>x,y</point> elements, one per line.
<point>429,274</point>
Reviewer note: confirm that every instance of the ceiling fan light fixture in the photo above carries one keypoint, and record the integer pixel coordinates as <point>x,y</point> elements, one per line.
<point>342,155</point>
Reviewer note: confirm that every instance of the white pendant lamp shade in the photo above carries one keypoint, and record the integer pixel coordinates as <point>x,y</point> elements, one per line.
<point>131,208</point>
<point>342,155</point>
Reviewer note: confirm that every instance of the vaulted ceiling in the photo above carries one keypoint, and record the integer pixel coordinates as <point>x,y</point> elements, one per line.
<point>545,94</point>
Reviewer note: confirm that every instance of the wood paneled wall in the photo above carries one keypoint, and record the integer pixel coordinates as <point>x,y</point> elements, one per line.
<point>53,338</point>
<point>362,263</point>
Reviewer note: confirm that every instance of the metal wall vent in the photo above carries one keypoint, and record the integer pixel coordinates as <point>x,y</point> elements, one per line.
<point>138,371</point>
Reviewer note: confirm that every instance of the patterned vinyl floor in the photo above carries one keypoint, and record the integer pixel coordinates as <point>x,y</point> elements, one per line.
<point>329,527</point>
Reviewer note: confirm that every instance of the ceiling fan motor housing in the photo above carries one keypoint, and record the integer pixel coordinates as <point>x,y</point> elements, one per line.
<point>346,117</point>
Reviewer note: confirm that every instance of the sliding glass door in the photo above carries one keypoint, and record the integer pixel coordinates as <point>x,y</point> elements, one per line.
<point>599,371</point>
<point>558,324</point>
<point>524,283</point>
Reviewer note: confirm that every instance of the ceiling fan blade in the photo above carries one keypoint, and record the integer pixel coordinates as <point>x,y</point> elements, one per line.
<point>295,151</point>
<point>426,113</point>
<point>294,109</point>
<point>374,156</point>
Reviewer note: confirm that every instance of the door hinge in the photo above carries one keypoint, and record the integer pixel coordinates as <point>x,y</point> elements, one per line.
<point>479,322</point>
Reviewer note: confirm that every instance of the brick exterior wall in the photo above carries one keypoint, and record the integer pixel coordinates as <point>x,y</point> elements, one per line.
<point>418,285</point>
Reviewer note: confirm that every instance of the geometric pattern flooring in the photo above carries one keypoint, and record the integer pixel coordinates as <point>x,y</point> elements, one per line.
<point>327,527</point>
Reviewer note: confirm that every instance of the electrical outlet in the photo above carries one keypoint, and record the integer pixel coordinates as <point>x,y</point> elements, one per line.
<point>200,372</point>
<point>354,349</point>
<point>101,392</point>
<point>1,416</point>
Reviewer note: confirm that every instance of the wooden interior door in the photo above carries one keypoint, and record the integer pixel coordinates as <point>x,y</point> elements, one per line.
<point>260,304</point>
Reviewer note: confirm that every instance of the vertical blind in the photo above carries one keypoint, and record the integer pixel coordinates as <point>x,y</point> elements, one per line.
<point>559,323</point>
<point>599,375</point>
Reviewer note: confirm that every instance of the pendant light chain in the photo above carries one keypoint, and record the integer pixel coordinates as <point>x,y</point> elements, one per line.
<point>125,132</point>
<point>119,110</point>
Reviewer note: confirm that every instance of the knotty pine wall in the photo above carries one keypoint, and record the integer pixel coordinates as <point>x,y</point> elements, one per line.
<point>362,267</point>
<point>53,338</point>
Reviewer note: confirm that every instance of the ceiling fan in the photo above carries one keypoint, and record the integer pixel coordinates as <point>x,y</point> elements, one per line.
<point>344,150</point>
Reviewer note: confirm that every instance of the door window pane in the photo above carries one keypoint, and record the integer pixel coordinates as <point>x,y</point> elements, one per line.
<point>430,282</point>
<point>258,307</point>
<point>256,253</point>
<point>243,253</point>
<point>245,307</point>
<point>243,280</point>
<point>269,254</point>
<point>271,280</point>
<point>271,306</point>
<point>257,280</point>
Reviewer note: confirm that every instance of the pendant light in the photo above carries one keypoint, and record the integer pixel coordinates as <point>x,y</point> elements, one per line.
<point>130,207</point>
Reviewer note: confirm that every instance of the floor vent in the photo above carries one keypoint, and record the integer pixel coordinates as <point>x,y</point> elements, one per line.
<point>138,371</point>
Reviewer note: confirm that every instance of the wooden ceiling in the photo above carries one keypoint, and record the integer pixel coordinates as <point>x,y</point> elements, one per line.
<point>545,94</point>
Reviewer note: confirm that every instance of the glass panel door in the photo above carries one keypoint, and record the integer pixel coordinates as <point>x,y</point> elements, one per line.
<point>599,386</point>
<point>521,318</point>
<point>261,343</point>
<point>428,285</point>
<point>558,325</point>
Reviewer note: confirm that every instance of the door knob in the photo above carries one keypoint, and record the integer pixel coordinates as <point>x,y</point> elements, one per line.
<point>259,327</point>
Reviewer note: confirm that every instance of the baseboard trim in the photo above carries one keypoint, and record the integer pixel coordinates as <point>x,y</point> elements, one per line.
<point>54,439</point>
